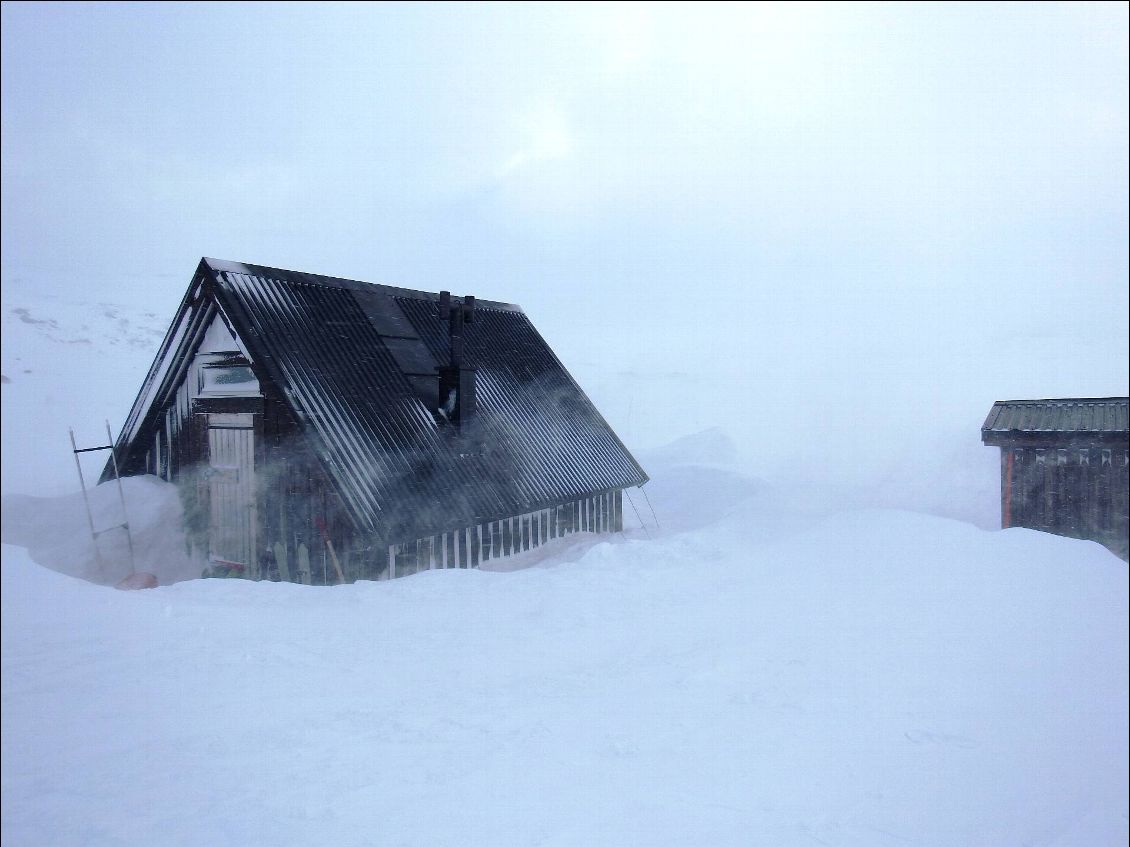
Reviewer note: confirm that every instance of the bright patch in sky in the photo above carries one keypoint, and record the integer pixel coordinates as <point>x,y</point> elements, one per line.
<point>544,135</point>
<point>628,32</point>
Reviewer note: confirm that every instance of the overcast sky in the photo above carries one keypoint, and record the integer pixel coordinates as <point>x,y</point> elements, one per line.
<point>903,202</point>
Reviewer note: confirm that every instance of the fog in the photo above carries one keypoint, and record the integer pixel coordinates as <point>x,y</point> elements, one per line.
<point>793,253</point>
<point>837,232</point>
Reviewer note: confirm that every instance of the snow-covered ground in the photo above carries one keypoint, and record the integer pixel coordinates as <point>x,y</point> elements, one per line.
<point>877,678</point>
<point>761,667</point>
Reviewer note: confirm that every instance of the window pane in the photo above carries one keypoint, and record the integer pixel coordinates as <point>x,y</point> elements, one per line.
<point>237,379</point>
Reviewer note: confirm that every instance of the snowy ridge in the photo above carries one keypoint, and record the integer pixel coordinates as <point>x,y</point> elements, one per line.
<point>66,364</point>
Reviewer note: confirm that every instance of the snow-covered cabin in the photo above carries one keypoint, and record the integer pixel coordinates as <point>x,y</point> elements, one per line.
<point>324,430</point>
<point>1064,466</point>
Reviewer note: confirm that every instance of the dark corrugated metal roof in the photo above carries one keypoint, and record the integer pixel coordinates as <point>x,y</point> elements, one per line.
<point>1099,417</point>
<point>356,363</point>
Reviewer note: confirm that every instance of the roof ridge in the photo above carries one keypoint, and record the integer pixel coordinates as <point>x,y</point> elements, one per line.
<point>1062,400</point>
<point>338,282</point>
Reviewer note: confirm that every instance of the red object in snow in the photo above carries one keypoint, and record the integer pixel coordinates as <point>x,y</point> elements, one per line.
<point>137,580</point>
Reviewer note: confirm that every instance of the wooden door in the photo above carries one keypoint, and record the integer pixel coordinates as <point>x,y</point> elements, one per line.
<point>231,484</point>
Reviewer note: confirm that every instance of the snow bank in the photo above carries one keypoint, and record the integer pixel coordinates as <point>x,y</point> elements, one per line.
<point>56,532</point>
<point>878,677</point>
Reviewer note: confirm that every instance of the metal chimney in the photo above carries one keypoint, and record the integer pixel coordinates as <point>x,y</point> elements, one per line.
<point>456,382</point>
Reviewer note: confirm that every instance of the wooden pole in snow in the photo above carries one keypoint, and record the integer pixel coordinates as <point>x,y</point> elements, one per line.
<point>121,495</point>
<point>86,502</point>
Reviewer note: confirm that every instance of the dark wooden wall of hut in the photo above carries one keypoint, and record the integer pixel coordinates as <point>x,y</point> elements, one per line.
<point>1077,490</point>
<point>472,546</point>
<point>297,508</point>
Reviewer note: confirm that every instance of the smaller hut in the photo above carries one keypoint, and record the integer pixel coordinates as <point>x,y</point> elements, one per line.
<point>1064,466</point>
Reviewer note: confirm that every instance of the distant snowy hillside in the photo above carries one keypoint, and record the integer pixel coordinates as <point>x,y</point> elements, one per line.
<point>66,364</point>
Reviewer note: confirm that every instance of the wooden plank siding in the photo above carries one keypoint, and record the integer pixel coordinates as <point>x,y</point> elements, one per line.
<point>490,541</point>
<point>1076,491</point>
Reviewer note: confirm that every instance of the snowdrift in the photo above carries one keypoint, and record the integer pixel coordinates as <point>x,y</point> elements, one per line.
<point>873,678</point>
<point>56,532</point>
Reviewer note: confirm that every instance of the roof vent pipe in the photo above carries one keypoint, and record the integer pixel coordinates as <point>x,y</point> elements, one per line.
<point>456,382</point>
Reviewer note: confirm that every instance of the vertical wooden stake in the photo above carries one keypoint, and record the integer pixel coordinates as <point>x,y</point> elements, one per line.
<point>86,502</point>
<point>121,495</point>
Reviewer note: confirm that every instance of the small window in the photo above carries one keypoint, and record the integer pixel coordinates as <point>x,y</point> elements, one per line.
<point>236,380</point>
